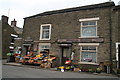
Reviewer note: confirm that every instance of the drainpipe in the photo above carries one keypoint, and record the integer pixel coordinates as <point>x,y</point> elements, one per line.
<point>110,38</point>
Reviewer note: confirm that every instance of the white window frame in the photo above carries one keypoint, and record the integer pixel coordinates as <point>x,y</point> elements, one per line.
<point>39,47</point>
<point>118,43</point>
<point>41,31</point>
<point>88,44</point>
<point>88,20</point>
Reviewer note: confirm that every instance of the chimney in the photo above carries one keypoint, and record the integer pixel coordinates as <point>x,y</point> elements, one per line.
<point>13,23</point>
<point>4,18</point>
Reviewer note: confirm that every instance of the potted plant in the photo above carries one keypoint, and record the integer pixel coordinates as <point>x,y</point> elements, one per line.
<point>98,70</point>
<point>118,71</point>
<point>91,70</point>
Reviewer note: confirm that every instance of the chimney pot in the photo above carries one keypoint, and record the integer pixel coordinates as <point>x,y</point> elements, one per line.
<point>4,18</point>
<point>13,23</point>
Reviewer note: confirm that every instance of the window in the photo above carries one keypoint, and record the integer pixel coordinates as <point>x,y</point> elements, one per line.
<point>45,32</point>
<point>44,47</point>
<point>88,54</point>
<point>89,27</point>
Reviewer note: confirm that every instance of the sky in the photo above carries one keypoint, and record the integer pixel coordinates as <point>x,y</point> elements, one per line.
<point>20,9</point>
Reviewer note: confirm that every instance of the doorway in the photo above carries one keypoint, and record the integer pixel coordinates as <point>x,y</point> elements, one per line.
<point>26,49</point>
<point>65,54</point>
<point>119,56</point>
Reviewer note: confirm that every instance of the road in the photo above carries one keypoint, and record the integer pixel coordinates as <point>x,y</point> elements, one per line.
<point>25,72</point>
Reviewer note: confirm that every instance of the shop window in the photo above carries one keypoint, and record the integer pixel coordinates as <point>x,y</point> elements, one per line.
<point>44,47</point>
<point>89,27</point>
<point>45,32</point>
<point>88,54</point>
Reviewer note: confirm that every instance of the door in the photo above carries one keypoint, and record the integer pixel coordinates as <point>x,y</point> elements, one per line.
<point>65,54</point>
<point>26,49</point>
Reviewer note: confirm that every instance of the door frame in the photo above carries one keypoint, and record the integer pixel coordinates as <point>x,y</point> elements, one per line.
<point>61,47</point>
<point>62,56</point>
<point>118,54</point>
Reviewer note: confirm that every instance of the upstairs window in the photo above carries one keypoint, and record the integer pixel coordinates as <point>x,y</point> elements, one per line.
<point>89,27</point>
<point>45,32</point>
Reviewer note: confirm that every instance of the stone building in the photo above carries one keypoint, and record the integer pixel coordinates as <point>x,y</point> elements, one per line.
<point>18,30</point>
<point>88,35</point>
<point>9,36</point>
<point>6,36</point>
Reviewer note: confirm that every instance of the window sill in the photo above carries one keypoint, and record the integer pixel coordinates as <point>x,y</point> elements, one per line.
<point>89,37</point>
<point>45,39</point>
<point>88,63</point>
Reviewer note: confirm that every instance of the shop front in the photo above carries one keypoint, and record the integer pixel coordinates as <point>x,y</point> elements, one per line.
<point>27,46</point>
<point>85,50</point>
<point>65,52</point>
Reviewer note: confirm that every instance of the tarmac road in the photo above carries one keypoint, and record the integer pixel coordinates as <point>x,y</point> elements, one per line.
<point>25,72</point>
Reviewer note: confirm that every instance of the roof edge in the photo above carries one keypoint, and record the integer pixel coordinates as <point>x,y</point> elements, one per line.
<point>100,5</point>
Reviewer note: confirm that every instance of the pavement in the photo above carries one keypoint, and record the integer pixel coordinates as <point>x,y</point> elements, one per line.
<point>4,62</point>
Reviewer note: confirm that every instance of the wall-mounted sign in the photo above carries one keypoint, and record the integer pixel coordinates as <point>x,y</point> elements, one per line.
<point>81,40</point>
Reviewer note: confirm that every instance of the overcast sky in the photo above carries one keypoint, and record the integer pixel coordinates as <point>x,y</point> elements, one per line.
<point>19,9</point>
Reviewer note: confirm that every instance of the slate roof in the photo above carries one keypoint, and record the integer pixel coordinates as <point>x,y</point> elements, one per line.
<point>117,7</point>
<point>18,30</point>
<point>101,5</point>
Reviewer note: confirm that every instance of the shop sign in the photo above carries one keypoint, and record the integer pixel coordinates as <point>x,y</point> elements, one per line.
<point>107,63</point>
<point>65,44</point>
<point>81,40</point>
<point>27,44</point>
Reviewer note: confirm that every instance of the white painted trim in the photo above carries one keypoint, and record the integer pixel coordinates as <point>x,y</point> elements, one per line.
<point>11,47</point>
<point>89,44</point>
<point>42,29</point>
<point>14,35</point>
<point>81,30</point>
<point>42,44</point>
<point>118,43</point>
<point>88,26</point>
<point>90,37</point>
<point>96,28</point>
<point>88,63</point>
<point>89,19</point>
<point>17,38</point>
<point>12,43</point>
<point>80,53</point>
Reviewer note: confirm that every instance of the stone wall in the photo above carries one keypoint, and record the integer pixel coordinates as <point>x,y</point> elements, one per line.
<point>67,26</point>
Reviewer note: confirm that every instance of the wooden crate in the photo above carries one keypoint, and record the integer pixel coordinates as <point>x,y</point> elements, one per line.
<point>42,65</point>
<point>76,69</point>
<point>17,60</point>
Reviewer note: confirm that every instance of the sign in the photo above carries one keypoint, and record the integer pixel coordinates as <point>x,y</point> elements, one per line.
<point>65,45</point>
<point>81,40</point>
<point>107,63</point>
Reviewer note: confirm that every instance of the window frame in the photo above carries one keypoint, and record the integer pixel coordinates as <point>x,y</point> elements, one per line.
<point>88,44</point>
<point>88,20</point>
<point>41,44</point>
<point>41,31</point>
